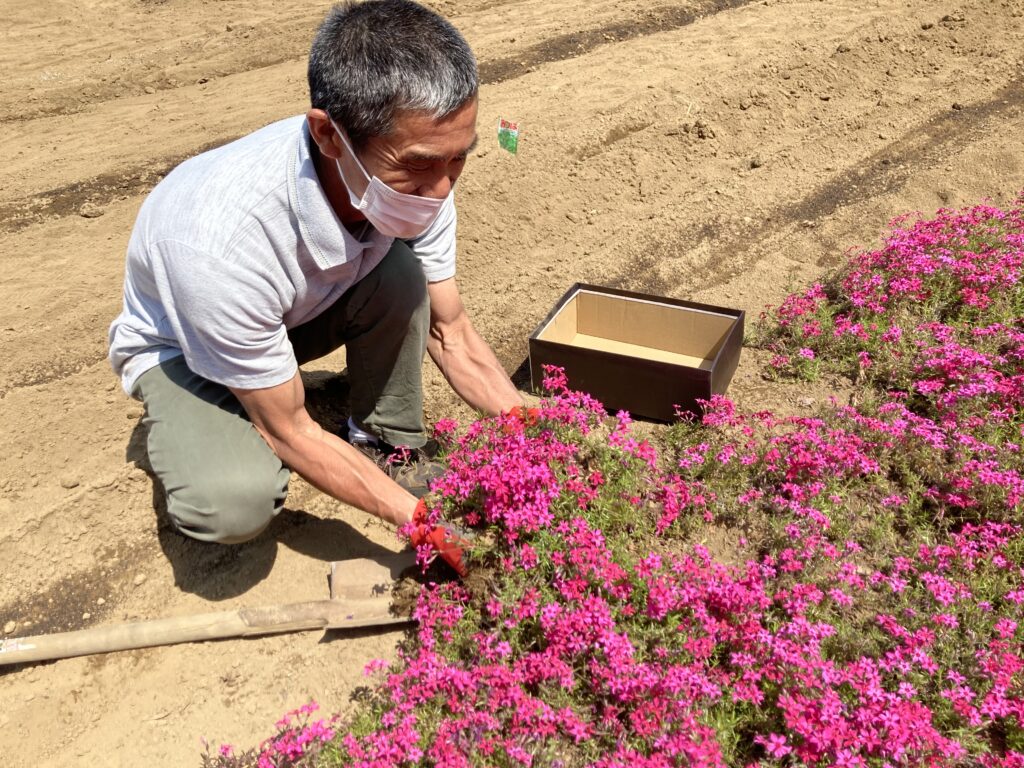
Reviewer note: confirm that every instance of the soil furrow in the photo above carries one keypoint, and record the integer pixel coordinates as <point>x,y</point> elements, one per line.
<point>883,173</point>
<point>573,44</point>
<point>887,170</point>
<point>57,370</point>
<point>71,602</point>
<point>72,199</point>
<point>268,44</point>
<point>76,198</point>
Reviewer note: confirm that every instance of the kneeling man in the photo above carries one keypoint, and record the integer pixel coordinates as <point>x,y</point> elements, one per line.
<point>332,228</point>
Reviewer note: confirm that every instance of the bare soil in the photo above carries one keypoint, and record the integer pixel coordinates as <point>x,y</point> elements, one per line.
<point>720,150</point>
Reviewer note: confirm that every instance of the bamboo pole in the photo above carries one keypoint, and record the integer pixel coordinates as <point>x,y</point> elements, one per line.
<point>246,622</point>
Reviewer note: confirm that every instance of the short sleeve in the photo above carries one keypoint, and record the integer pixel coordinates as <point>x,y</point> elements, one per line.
<point>226,314</point>
<point>435,248</point>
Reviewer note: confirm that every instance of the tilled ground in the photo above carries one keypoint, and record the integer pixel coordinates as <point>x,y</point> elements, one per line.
<point>725,151</point>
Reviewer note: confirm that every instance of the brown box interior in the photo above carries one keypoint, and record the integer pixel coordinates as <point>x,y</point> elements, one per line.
<point>639,328</point>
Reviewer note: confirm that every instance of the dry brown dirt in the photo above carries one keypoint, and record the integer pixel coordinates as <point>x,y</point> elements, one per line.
<point>720,150</point>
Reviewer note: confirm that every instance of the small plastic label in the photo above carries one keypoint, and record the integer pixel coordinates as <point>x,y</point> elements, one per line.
<point>508,135</point>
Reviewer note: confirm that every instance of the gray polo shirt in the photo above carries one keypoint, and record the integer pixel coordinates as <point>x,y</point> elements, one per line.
<point>236,246</point>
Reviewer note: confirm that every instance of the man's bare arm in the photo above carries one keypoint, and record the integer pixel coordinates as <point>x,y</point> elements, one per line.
<point>323,459</point>
<point>464,358</point>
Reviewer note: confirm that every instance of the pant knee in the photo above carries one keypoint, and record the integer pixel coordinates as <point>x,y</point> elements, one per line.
<point>228,509</point>
<point>402,281</point>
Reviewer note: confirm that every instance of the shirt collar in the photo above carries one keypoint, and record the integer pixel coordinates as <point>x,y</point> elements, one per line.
<point>327,239</point>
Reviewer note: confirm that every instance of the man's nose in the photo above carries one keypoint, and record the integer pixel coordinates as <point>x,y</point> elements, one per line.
<point>439,188</point>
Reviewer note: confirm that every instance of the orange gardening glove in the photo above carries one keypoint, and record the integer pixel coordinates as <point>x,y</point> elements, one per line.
<point>528,417</point>
<point>449,544</point>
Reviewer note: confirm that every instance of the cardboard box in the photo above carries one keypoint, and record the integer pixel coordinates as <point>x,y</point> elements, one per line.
<point>640,353</point>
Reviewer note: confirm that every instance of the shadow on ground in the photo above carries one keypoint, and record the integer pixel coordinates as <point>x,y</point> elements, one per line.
<point>220,572</point>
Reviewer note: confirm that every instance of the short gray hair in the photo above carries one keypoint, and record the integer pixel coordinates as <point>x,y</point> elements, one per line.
<point>373,59</point>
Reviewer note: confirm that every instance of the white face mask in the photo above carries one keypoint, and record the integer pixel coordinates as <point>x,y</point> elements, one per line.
<point>392,213</point>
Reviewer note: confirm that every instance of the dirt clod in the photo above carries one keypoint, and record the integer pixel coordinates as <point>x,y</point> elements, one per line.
<point>90,211</point>
<point>703,130</point>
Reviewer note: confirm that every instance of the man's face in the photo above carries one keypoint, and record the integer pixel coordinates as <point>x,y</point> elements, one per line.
<point>421,156</point>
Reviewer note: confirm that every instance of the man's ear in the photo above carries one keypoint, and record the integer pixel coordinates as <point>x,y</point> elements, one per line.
<point>323,133</point>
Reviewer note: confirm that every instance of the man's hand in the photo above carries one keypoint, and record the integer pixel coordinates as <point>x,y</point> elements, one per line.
<point>444,539</point>
<point>514,420</point>
<point>528,417</point>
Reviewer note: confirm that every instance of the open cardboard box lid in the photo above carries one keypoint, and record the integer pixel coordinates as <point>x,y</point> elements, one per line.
<point>645,354</point>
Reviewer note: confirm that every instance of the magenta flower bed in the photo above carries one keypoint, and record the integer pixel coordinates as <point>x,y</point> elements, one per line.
<point>844,589</point>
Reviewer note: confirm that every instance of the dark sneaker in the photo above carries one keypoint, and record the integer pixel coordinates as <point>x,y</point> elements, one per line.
<point>412,468</point>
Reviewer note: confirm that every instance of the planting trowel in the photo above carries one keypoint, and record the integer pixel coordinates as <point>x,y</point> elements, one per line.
<point>360,597</point>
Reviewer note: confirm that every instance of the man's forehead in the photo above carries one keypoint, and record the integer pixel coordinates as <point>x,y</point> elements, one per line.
<point>418,135</point>
<point>422,152</point>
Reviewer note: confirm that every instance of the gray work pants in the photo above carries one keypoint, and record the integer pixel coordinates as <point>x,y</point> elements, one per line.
<point>223,482</point>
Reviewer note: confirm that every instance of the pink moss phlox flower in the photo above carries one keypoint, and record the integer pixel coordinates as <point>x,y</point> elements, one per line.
<point>605,629</point>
